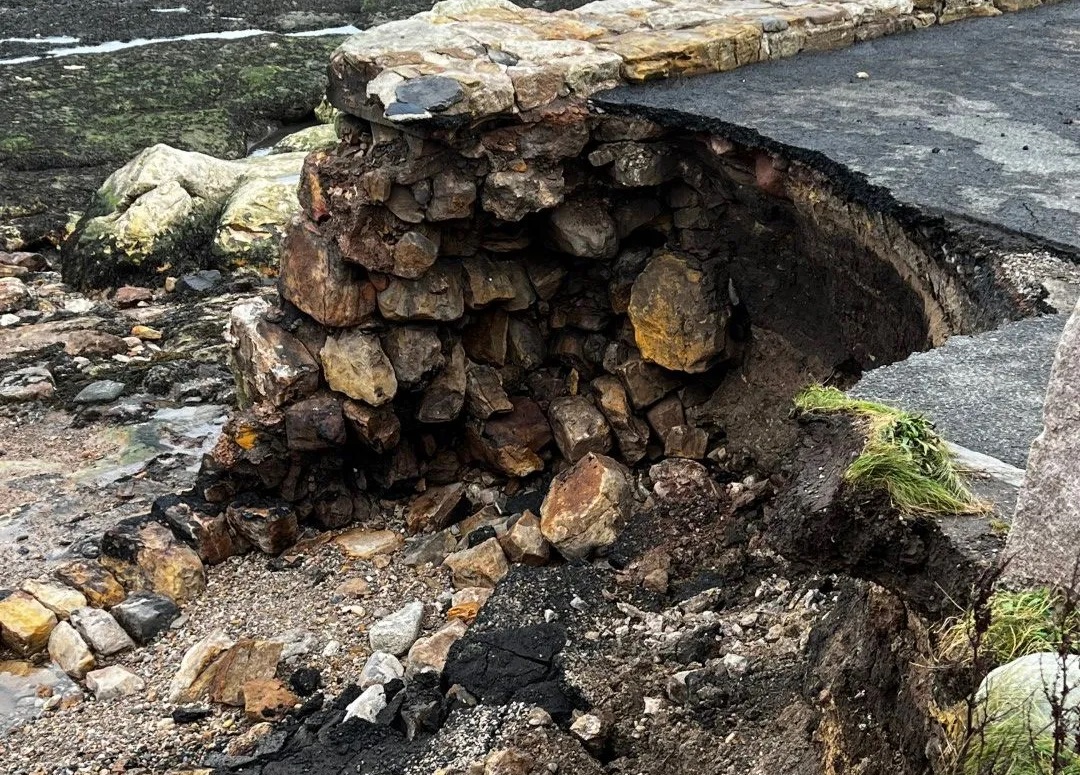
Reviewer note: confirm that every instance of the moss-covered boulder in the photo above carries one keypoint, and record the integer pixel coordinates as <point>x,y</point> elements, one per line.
<point>1018,708</point>
<point>169,211</point>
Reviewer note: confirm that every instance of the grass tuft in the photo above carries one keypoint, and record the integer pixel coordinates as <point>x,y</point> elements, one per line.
<point>1019,623</point>
<point>903,455</point>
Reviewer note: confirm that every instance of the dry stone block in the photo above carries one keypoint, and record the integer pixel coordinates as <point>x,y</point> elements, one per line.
<point>679,321</point>
<point>586,506</point>
<point>269,525</point>
<point>378,427</point>
<point>354,363</point>
<point>315,278</point>
<point>431,510</point>
<point>248,660</point>
<point>202,525</point>
<point>414,351</point>
<point>524,542</point>
<point>444,398</point>
<point>114,681</point>
<point>436,296</point>
<point>185,685</point>
<point>98,628</point>
<point>430,653</point>
<point>584,229</point>
<point>631,433</point>
<point>579,427</point>
<point>270,364</point>
<point>315,423</point>
<point>25,624</point>
<point>396,633</point>
<point>363,544</point>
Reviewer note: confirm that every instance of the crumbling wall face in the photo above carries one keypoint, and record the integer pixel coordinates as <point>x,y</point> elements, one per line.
<point>487,302</point>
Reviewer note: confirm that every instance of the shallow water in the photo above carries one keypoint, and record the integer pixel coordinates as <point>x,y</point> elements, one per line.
<point>21,687</point>
<point>119,45</point>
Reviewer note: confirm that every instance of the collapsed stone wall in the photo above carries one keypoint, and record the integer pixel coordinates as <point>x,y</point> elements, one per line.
<point>489,280</point>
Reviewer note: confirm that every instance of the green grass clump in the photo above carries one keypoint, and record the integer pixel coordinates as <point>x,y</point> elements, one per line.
<point>903,455</point>
<point>1020,623</point>
<point>1007,747</point>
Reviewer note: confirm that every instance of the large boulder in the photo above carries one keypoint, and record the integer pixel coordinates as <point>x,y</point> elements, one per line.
<point>1014,712</point>
<point>159,213</point>
<point>586,506</point>
<point>1044,541</point>
<point>680,321</point>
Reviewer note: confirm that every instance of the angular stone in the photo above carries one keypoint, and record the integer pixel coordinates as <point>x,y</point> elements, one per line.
<point>381,668</point>
<point>100,392</point>
<point>315,278</point>
<point>444,398</point>
<point>414,351</point>
<point>484,565</point>
<point>579,427</point>
<point>434,93</point>
<point>269,525</point>
<point>429,549</point>
<point>524,542</point>
<point>665,415</point>
<point>99,586</point>
<point>431,510</point>
<point>395,633</point>
<point>248,660</point>
<point>379,428</point>
<point>415,253</point>
<point>631,433</point>
<point>487,281</point>
<point>91,343</point>
<point>58,598</point>
<point>1045,537</point>
<point>202,525</point>
<point>686,441</point>
<point>484,339</point>
<point>354,363</point>
<point>635,165</point>
<point>437,295</point>
<point>586,506</point>
<point>145,615</point>
<point>33,383</point>
<point>69,651</point>
<point>149,557</point>
<point>130,296</point>
<point>267,699</point>
<point>484,392</point>
<point>315,423</point>
<point>14,295</point>
<point>99,629</point>
<point>679,321</point>
<point>525,344</point>
<point>512,194</point>
<point>430,653</point>
<point>452,195</point>
<point>645,382</point>
<point>185,685</point>
<point>270,364</point>
<point>25,624</point>
<point>510,442</point>
<point>546,276</point>
<point>363,544</point>
<point>368,705</point>
<point>584,229</point>
<point>114,681</point>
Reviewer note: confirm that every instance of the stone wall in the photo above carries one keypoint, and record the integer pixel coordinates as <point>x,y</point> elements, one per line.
<point>489,280</point>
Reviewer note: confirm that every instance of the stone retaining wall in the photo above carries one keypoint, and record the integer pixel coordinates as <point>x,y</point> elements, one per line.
<point>490,281</point>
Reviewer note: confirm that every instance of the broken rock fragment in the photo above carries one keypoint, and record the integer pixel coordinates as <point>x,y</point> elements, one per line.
<point>315,423</point>
<point>586,506</point>
<point>114,681</point>
<point>431,510</point>
<point>579,427</point>
<point>98,628</point>
<point>395,633</point>
<point>69,651</point>
<point>483,565</point>
<point>202,525</point>
<point>58,598</point>
<point>100,587</point>
<point>145,615</point>
<point>430,653</point>
<point>270,364</point>
<point>524,542</point>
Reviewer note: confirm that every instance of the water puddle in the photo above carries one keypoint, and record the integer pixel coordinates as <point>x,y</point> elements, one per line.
<point>179,9</point>
<point>52,40</point>
<point>26,690</point>
<point>119,45</point>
